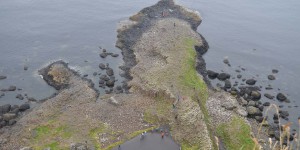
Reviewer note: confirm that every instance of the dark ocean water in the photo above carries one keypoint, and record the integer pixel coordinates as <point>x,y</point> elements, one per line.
<point>257,35</point>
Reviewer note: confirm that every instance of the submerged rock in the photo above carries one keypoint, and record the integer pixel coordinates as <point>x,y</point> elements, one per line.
<point>275,71</point>
<point>281,97</point>
<point>271,77</point>
<point>250,81</point>
<point>5,108</point>
<point>223,76</point>
<point>2,77</point>
<point>269,96</point>
<point>102,66</point>
<point>24,107</point>
<point>20,97</point>
<point>211,74</point>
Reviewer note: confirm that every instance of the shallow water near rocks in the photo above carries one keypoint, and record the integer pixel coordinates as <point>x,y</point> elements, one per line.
<point>257,35</point>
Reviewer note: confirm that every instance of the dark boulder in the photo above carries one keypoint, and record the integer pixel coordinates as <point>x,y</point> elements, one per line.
<point>253,111</point>
<point>211,74</point>
<point>24,107</point>
<point>2,77</point>
<point>250,81</point>
<point>239,76</point>
<point>269,96</point>
<point>266,104</point>
<point>102,66</point>
<point>109,72</point>
<point>12,88</point>
<point>31,99</point>
<point>281,97</point>
<point>12,122</point>
<point>9,116</point>
<point>104,77</point>
<point>283,114</point>
<point>103,55</point>
<point>114,55</point>
<point>5,108</point>
<point>25,67</point>
<point>101,82</point>
<point>255,95</point>
<point>276,116</point>
<point>110,83</point>
<point>271,77</point>
<point>20,97</point>
<point>275,71</point>
<point>223,76</point>
<point>259,118</point>
<point>227,84</point>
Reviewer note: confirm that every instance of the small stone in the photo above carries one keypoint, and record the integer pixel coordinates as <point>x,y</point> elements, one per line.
<point>12,122</point>
<point>251,103</point>
<point>269,96</point>
<point>9,116</point>
<point>109,72</point>
<point>2,77</point>
<point>239,76</point>
<point>275,71</point>
<point>95,73</point>
<point>31,99</point>
<point>242,112</point>
<point>228,106</point>
<point>24,107</point>
<point>12,88</point>
<point>227,84</point>
<point>223,76</point>
<point>103,55</point>
<point>25,67</point>
<point>211,74</point>
<point>271,77</point>
<point>102,66</point>
<point>255,95</point>
<point>253,111</point>
<point>281,97</point>
<point>250,81</point>
<point>266,104</point>
<point>20,97</point>
<point>5,108</point>
<point>114,55</point>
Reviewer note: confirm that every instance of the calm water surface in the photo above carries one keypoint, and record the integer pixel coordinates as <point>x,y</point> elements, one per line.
<point>257,35</point>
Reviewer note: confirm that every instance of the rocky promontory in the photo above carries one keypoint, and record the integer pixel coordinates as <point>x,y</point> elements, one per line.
<point>166,77</point>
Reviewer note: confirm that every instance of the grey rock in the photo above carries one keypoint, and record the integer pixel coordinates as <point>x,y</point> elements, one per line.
<point>227,84</point>
<point>251,103</point>
<point>109,72</point>
<point>250,81</point>
<point>102,66</point>
<point>12,122</point>
<point>228,105</point>
<point>253,111</point>
<point>269,96</point>
<point>12,88</point>
<point>113,101</point>
<point>223,76</point>
<point>114,55</point>
<point>211,74</point>
<point>2,77</point>
<point>267,104</point>
<point>275,71</point>
<point>5,108</point>
<point>9,116</point>
<point>271,77</point>
<point>110,83</point>
<point>24,107</point>
<point>239,76</point>
<point>242,112</point>
<point>281,97</point>
<point>20,97</point>
<point>32,99</point>
<point>78,146</point>
<point>25,67</point>
<point>255,95</point>
<point>103,55</point>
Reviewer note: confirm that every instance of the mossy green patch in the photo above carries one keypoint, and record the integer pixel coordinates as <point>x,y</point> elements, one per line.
<point>236,134</point>
<point>46,136</point>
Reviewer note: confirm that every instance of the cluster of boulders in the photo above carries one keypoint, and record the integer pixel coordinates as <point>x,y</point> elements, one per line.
<point>104,54</point>
<point>249,95</point>
<point>8,113</point>
<point>108,80</point>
